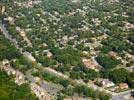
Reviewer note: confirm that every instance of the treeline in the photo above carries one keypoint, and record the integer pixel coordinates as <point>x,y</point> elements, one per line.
<point>71,89</point>
<point>119,76</point>
<point>11,91</point>
<point>7,50</point>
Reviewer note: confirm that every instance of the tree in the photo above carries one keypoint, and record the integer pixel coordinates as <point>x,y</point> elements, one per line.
<point>130,80</point>
<point>65,83</point>
<point>67,56</point>
<point>11,91</point>
<point>7,51</point>
<point>119,75</point>
<point>89,92</point>
<point>106,61</point>
<point>91,74</point>
<point>115,44</point>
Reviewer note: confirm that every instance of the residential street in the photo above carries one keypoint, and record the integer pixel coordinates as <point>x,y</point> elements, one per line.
<point>122,95</point>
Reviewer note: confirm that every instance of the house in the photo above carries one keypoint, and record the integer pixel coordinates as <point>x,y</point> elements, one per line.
<point>102,37</point>
<point>44,45</point>
<point>3,9</point>
<point>28,3</point>
<point>90,63</point>
<point>10,19</point>
<point>112,1</point>
<point>124,14</point>
<point>4,62</point>
<point>75,98</point>
<point>113,54</point>
<point>13,72</point>
<point>22,33</point>
<point>64,40</point>
<point>107,83</point>
<point>18,76</point>
<point>49,54</point>
<point>127,55</point>
<point>131,68</point>
<point>129,26</point>
<point>96,21</point>
<point>76,1</point>
<point>123,86</point>
<point>85,52</point>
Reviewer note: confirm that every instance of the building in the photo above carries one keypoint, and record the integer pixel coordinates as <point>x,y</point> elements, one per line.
<point>40,92</point>
<point>49,54</point>
<point>10,19</point>
<point>4,62</point>
<point>75,98</point>
<point>90,64</point>
<point>113,54</point>
<point>105,82</point>
<point>129,26</point>
<point>123,86</point>
<point>64,40</point>
<point>18,76</point>
<point>3,9</point>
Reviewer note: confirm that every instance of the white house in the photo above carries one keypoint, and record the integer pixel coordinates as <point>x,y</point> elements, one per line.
<point>107,83</point>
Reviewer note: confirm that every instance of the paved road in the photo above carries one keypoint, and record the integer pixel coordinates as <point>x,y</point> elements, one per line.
<point>51,88</point>
<point>56,72</point>
<point>8,36</point>
<point>121,95</point>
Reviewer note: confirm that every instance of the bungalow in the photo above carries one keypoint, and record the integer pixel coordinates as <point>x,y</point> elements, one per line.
<point>64,40</point>
<point>4,62</point>
<point>75,98</point>
<point>3,9</point>
<point>107,83</point>
<point>104,82</point>
<point>129,25</point>
<point>49,54</point>
<point>22,33</point>
<point>90,64</point>
<point>123,86</point>
<point>10,19</point>
<point>114,55</point>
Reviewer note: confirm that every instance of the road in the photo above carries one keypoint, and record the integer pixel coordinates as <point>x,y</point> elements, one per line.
<point>9,37</point>
<point>56,73</point>
<point>122,95</point>
<point>14,41</point>
<point>51,88</point>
